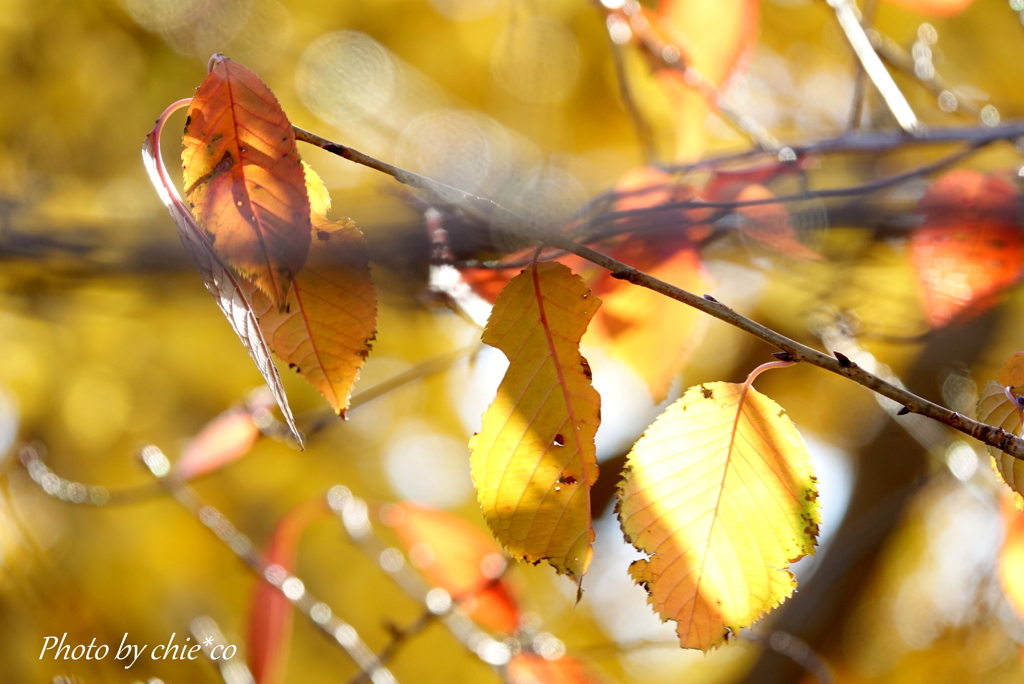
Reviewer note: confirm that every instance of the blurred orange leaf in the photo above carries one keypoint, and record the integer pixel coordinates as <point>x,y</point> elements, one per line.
<point>969,247</point>
<point>769,223</point>
<point>270,617</point>
<point>243,177</point>
<point>1011,557</point>
<point>650,333</point>
<point>719,491</point>
<point>938,8</point>
<point>459,558</point>
<point>713,36</point>
<point>534,462</point>
<point>223,440</point>
<point>229,291</point>
<point>330,314</point>
<point>530,668</point>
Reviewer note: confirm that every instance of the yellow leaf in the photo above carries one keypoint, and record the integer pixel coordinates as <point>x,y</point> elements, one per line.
<point>330,314</point>
<point>995,408</point>
<point>533,461</point>
<point>713,36</point>
<point>719,491</point>
<point>1012,372</point>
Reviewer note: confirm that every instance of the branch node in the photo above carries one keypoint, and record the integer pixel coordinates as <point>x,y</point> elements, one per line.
<point>904,410</point>
<point>623,275</point>
<point>710,298</point>
<point>782,355</point>
<point>844,360</point>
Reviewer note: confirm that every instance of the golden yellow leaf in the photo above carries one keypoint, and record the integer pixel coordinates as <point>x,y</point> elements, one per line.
<point>330,314</point>
<point>713,36</point>
<point>1011,374</point>
<point>720,492</point>
<point>996,408</point>
<point>533,461</point>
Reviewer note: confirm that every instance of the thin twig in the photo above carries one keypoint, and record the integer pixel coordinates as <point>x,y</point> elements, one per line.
<point>399,637</point>
<point>846,15</point>
<point>890,51</point>
<point>991,435</point>
<point>857,105</point>
<point>290,586</point>
<point>643,129</point>
<point>671,57</point>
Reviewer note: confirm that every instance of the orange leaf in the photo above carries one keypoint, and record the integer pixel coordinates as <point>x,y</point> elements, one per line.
<point>1011,558</point>
<point>459,558</point>
<point>270,617</point>
<point>530,668</point>
<point>223,440</point>
<point>768,223</point>
<point>719,492</point>
<point>969,247</point>
<point>534,461</point>
<point>938,8</point>
<point>229,291</point>
<point>713,36</point>
<point>330,314</point>
<point>651,333</point>
<point>243,177</point>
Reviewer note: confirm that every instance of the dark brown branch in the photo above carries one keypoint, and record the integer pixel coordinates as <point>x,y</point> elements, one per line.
<point>504,219</point>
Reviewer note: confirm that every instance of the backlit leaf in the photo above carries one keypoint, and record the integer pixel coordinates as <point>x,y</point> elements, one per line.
<point>531,668</point>
<point>459,558</point>
<point>713,36</point>
<point>243,177</point>
<point>270,617</point>
<point>330,314</point>
<point>533,462</point>
<point>228,290</point>
<point>1011,374</point>
<point>969,248</point>
<point>223,440</point>
<point>996,408</point>
<point>719,491</point>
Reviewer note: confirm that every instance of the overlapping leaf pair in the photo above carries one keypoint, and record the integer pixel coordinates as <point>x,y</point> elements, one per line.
<point>256,226</point>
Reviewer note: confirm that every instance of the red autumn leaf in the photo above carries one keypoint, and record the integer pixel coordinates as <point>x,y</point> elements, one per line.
<point>969,247</point>
<point>768,223</point>
<point>270,617</point>
<point>713,36</point>
<point>228,290</point>
<point>531,668</point>
<point>459,558</point>
<point>937,8</point>
<point>244,179</point>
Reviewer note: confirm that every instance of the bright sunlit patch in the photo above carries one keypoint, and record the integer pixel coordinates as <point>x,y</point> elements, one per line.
<point>427,466</point>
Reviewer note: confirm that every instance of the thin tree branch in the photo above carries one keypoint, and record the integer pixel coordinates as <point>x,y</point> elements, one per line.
<point>841,365</point>
<point>846,15</point>
<point>290,586</point>
<point>890,51</point>
<point>857,105</point>
<point>643,129</point>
